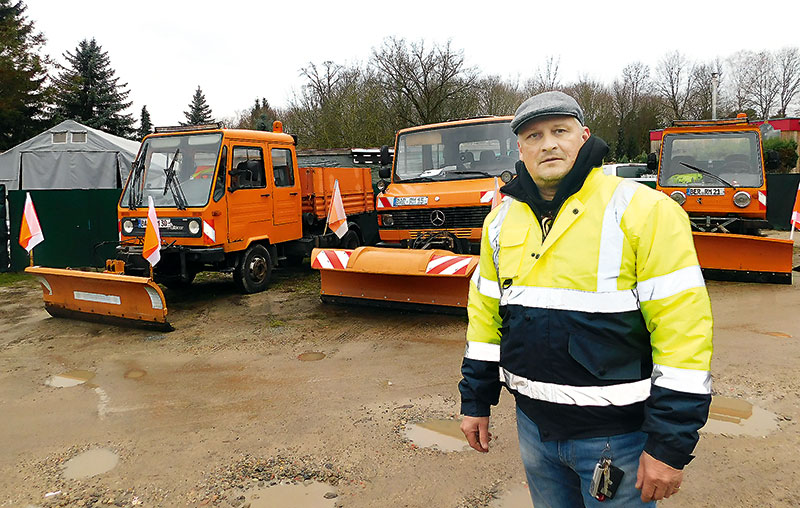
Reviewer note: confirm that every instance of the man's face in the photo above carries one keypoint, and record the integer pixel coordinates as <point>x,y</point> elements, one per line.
<point>549,146</point>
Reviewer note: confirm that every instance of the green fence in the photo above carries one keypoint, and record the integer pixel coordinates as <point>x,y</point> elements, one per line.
<point>3,230</point>
<point>79,227</point>
<point>781,193</point>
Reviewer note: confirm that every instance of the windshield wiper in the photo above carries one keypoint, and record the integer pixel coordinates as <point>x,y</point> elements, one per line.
<point>135,192</point>
<point>471,172</point>
<point>173,184</point>
<point>703,171</point>
<point>417,179</point>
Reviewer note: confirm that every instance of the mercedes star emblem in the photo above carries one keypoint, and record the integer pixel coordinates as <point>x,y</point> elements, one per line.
<point>437,218</point>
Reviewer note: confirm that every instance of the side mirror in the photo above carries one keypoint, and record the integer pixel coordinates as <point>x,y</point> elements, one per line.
<point>773,162</point>
<point>385,159</point>
<point>652,161</point>
<point>385,172</point>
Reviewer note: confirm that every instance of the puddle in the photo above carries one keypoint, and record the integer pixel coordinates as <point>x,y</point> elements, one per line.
<point>310,356</point>
<point>738,417</point>
<point>90,463</point>
<point>443,435</point>
<point>135,374</point>
<point>313,495</point>
<point>69,379</point>
<point>518,497</point>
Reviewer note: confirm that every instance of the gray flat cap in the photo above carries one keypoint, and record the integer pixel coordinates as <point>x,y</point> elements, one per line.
<point>546,104</point>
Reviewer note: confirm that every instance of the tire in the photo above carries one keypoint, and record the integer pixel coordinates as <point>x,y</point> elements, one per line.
<point>253,270</point>
<point>350,240</point>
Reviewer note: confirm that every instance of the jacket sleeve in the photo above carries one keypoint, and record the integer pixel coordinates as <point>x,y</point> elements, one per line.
<point>480,384</point>
<point>677,311</point>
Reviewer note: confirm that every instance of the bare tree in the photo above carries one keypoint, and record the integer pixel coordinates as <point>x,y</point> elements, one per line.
<point>546,79</point>
<point>739,85</point>
<point>424,85</point>
<point>675,83</point>
<point>764,85</point>
<point>787,70</point>
<point>498,97</point>
<point>628,93</point>
<point>699,105</point>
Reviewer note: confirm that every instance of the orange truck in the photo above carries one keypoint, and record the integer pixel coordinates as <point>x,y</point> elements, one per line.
<point>715,169</point>
<point>227,200</point>
<point>431,209</point>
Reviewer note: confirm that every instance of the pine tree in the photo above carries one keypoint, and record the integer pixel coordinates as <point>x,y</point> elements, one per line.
<point>145,125</point>
<point>199,110</point>
<point>24,93</point>
<point>89,91</point>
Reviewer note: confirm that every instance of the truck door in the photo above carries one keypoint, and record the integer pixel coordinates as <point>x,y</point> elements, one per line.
<point>250,202</point>
<point>286,197</point>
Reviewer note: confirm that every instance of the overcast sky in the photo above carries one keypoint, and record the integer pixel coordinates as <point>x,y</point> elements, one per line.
<point>237,50</point>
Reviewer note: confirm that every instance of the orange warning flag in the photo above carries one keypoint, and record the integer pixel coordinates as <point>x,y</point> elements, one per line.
<point>151,250</point>
<point>497,197</point>
<point>337,219</point>
<point>30,232</point>
<point>795,222</point>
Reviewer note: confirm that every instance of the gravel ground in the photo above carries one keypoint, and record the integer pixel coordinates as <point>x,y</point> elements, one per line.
<point>225,404</point>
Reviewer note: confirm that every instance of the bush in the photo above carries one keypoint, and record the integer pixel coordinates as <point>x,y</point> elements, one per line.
<point>787,150</point>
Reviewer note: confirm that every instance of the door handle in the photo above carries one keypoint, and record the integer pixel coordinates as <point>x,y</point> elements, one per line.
<point>293,194</point>
<point>265,195</point>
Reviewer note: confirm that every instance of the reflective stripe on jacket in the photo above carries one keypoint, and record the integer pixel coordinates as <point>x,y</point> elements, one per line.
<point>606,323</point>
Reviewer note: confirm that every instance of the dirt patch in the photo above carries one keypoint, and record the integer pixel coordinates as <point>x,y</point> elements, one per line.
<point>223,404</point>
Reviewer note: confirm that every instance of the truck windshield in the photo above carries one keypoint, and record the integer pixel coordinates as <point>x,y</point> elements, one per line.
<point>456,153</point>
<point>734,157</point>
<point>193,159</point>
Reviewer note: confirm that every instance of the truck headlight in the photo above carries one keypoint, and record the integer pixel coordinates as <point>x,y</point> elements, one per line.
<point>127,226</point>
<point>194,227</point>
<point>741,199</point>
<point>679,197</point>
<point>388,220</point>
<point>381,185</point>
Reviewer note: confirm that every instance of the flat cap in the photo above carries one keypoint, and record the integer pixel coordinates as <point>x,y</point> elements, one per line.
<point>546,104</point>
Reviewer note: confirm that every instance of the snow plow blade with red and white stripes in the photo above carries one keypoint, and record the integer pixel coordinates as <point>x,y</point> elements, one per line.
<point>426,280</point>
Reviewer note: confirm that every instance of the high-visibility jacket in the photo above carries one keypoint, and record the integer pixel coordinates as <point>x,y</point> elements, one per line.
<point>604,327</point>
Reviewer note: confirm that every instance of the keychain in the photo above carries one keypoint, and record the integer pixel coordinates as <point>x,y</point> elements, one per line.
<point>606,477</point>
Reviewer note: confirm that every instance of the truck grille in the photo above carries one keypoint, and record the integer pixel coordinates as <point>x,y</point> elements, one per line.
<point>460,217</point>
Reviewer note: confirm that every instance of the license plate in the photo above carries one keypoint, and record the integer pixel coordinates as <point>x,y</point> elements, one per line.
<point>411,201</point>
<point>162,223</point>
<point>708,191</point>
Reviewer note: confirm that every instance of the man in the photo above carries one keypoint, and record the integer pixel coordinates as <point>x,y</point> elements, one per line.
<point>589,300</point>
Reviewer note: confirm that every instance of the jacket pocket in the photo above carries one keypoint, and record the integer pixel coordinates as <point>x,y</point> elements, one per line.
<point>606,359</point>
<point>512,250</point>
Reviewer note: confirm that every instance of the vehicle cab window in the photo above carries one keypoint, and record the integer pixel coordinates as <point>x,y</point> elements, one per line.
<point>282,167</point>
<point>247,168</point>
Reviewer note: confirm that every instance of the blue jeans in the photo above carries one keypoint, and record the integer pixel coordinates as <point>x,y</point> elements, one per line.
<point>560,472</point>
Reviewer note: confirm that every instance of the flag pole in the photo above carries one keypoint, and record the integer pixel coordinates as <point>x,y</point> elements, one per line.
<point>30,255</point>
<point>330,206</point>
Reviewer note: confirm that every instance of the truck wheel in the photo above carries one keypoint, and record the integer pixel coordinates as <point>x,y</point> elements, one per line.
<point>350,240</point>
<point>252,272</point>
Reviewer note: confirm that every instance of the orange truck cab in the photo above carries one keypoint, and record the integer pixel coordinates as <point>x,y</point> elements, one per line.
<point>234,201</point>
<point>440,186</point>
<point>715,170</point>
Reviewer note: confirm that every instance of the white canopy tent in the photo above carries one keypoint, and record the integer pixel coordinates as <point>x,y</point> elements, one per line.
<point>68,156</point>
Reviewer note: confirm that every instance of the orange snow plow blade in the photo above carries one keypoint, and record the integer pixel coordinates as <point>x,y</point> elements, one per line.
<point>744,258</point>
<point>106,297</point>
<point>426,280</point>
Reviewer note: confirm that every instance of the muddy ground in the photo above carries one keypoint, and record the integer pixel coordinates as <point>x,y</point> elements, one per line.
<point>229,403</point>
